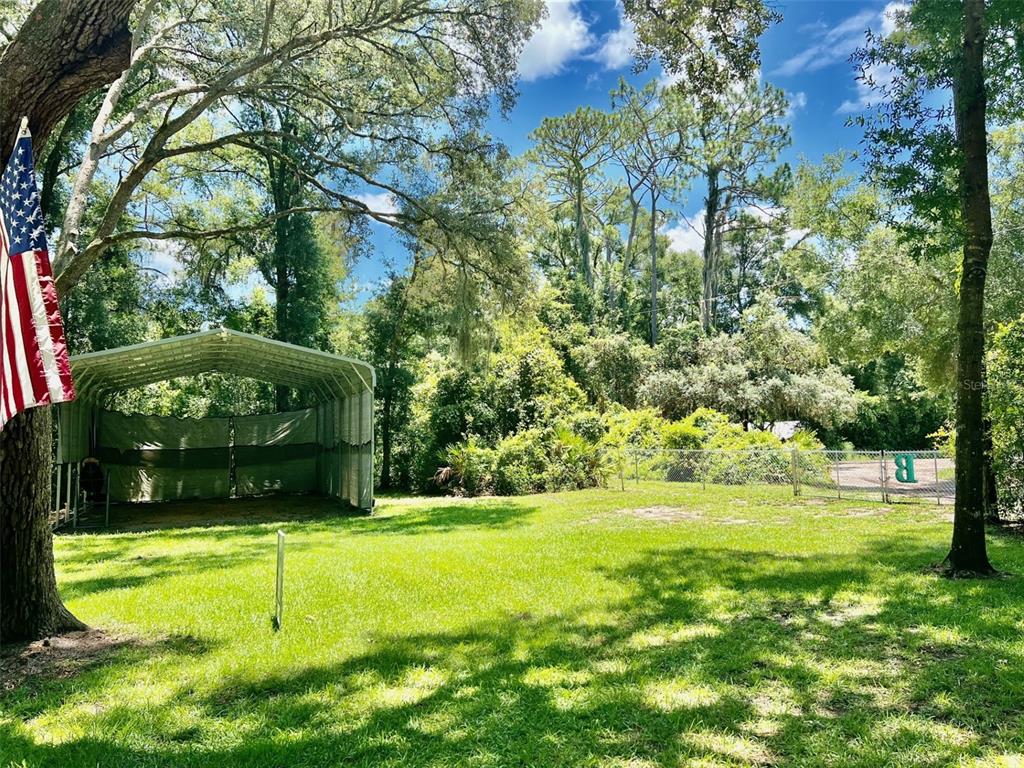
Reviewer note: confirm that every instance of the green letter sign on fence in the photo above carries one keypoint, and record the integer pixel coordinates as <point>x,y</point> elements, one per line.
<point>904,468</point>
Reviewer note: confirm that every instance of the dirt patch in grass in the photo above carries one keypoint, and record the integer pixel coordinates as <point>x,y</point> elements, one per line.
<point>58,657</point>
<point>662,514</point>
<point>878,511</point>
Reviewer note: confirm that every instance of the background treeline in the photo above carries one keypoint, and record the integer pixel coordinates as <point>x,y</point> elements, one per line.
<point>555,306</point>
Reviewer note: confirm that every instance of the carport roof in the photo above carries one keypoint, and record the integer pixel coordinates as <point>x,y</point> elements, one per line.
<point>243,354</point>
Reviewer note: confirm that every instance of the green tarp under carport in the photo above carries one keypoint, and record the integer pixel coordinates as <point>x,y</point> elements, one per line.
<point>326,449</point>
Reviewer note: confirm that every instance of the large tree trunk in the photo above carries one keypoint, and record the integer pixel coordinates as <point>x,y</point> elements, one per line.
<point>968,553</point>
<point>67,48</point>
<point>29,604</point>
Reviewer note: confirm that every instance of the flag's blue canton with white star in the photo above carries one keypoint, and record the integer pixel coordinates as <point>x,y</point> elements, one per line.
<point>19,202</point>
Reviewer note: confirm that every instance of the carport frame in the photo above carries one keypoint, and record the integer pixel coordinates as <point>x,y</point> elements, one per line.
<point>328,377</point>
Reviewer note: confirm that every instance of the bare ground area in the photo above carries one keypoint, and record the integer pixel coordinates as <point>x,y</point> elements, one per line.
<point>58,657</point>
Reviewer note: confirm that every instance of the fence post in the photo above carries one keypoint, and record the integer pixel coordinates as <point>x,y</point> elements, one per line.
<point>938,490</point>
<point>796,472</point>
<point>839,485</point>
<point>884,471</point>
<point>636,466</point>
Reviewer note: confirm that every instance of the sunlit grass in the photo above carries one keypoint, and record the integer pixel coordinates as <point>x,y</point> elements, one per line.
<point>725,628</point>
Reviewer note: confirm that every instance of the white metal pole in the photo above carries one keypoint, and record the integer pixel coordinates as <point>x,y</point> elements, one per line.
<point>279,596</point>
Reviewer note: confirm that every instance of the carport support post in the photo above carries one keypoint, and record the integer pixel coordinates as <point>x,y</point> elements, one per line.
<point>60,490</point>
<point>78,492</point>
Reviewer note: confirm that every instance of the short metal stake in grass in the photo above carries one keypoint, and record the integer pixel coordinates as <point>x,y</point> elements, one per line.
<point>279,597</point>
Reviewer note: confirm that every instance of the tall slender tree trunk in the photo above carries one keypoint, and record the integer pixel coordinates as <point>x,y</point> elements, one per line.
<point>968,553</point>
<point>385,436</point>
<point>654,266</point>
<point>627,259</point>
<point>582,235</point>
<point>388,380</point>
<point>29,604</point>
<point>709,271</point>
<point>68,48</point>
<point>282,286</point>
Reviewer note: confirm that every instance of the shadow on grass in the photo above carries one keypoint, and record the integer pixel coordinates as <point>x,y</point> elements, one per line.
<point>445,516</point>
<point>716,655</point>
<point>255,541</point>
<point>440,517</point>
<point>128,571</point>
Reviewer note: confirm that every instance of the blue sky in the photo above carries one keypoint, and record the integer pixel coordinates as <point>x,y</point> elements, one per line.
<point>584,46</point>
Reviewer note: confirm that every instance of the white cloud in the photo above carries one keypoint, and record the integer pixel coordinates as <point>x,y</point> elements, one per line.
<point>890,14</point>
<point>160,256</point>
<point>831,45</point>
<point>683,236</point>
<point>879,75</point>
<point>379,202</point>
<point>562,36</point>
<point>797,101</point>
<point>668,79</point>
<point>617,46</point>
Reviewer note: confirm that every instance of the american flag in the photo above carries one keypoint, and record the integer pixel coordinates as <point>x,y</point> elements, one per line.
<point>34,368</point>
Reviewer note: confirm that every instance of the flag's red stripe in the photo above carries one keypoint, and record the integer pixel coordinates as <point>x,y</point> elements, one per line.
<point>54,324</point>
<point>13,398</point>
<point>14,385</point>
<point>27,328</point>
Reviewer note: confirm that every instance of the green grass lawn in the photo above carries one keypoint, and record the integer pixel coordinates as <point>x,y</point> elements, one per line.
<point>720,628</point>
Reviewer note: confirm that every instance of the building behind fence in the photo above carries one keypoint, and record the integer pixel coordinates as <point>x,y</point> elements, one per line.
<point>885,476</point>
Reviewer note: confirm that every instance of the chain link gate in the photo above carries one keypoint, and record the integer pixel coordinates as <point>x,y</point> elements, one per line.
<point>882,476</point>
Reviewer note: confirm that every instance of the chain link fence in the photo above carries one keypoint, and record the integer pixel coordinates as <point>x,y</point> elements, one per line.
<point>883,476</point>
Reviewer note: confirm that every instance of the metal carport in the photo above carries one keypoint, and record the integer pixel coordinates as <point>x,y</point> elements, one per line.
<point>327,448</point>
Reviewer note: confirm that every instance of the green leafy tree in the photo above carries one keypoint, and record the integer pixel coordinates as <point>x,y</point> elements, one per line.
<point>572,151</point>
<point>707,43</point>
<point>732,140</point>
<point>933,154</point>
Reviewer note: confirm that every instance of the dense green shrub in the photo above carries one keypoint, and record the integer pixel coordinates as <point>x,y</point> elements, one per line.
<point>531,461</point>
<point>612,368</point>
<point>469,470</point>
<point>573,462</point>
<point>521,464</point>
<point>1006,406</point>
<point>640,428</point>
<point>681,435</point>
